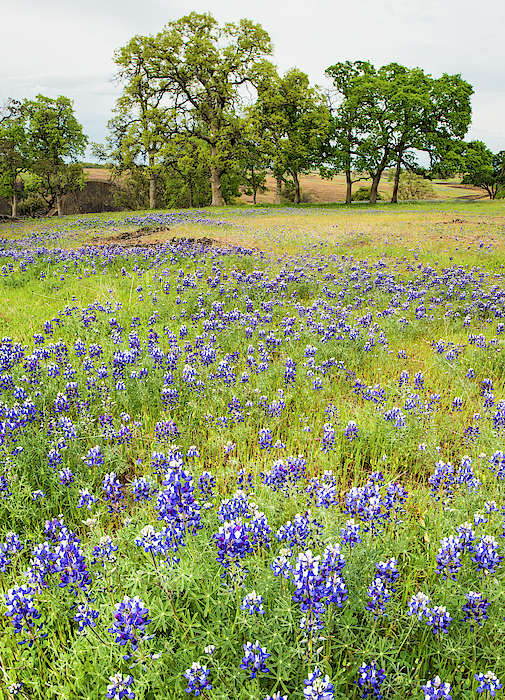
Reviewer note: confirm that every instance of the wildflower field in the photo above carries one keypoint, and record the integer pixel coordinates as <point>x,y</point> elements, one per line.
<point>267,464</point>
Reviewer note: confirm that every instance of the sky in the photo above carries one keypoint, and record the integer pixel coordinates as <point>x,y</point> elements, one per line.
<point>66,47</point>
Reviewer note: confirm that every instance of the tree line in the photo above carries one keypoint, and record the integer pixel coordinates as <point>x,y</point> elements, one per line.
<point>204,114</point>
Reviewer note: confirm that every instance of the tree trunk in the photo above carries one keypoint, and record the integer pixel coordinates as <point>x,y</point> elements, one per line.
<point>278,190</point>
<point>348,194</point>
<point>215,182</point>
<point>394,198</point>
<point>254,196</point>
<point>152,182</point>
<point>152,190</point>
<point>14,204</point>
<point>378,175</point>
<point>59,204</point>
<point>297,187</point>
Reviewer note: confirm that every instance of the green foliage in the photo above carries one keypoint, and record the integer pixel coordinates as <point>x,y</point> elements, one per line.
<point>362,194</point>
<point>484,169</point>
<point>54,138</point>
<point>414,186</point>
<point>387,114</point>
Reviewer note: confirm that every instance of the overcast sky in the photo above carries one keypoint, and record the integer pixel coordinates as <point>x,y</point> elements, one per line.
<point>66,47</point>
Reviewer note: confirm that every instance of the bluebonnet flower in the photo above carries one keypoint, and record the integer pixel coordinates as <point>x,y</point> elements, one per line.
<point>388,571</point>
<point>297,532</point>
<point>206,485</point>
<point>21,608</point>
<point>38,494</point>
<point>254,658</point>
<point>466,536</point>
<point>86,499</point>
<point>457,403</point>
<point>442,480</point>
<point>231,508</point>
<point>94,457</point>
<point>233,542</point>
<point>66,476</point>
<point>198,679</point>
<point>143,489</point>
<point>488,683</point>
<point>419,605</point>
<point>449,557</point>
<point>282,564</point>
<point>475,608</point>
<point>15,688</point>
<point>397,416</point>
<point>497,461</point>
<point>328,439</point>
<point>491,507</point>
<point>349,534</point>
<point>113,492</point>
<point>86,617</point>
<point>130,621</point>
<point>351,430</point>
<point>438,619</point>
<point>371,679</point>
<point>285,474</point>
<point>479,519</point>
<point>276,696</point>
<point>165,430</point>
<point>379,597</point>
<point>104,551</point>
<point>290,371</point>
<point>119,687</point>
<point>317,686</point>
<point>486,555</point>
<point>253,603</point>
<point>436,690</point>
<point>265,439</point>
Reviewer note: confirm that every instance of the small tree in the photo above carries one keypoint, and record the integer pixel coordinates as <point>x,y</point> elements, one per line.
<point>484,169</point>
<point>14,157</point>
<point>54,138</point>
<point>204,67</point>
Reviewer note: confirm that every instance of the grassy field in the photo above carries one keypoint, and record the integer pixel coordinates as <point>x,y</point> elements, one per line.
<point>253,453</point>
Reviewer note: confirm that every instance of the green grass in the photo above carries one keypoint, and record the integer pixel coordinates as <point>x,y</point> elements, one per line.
<point>190,605</point>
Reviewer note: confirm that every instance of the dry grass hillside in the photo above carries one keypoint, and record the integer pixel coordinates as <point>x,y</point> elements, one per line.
<point>320,191</point>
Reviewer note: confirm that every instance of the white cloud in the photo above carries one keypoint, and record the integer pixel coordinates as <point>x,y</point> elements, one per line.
<point>67,46</point>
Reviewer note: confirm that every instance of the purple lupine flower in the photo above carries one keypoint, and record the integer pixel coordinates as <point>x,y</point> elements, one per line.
<point>254,659</point>
<point>351,430</point>
<point>130,622</point>
<point>113,492</point>
<point>265,439</point>
<point>438,619</point>
<point>21,608</point>
<point>349,534</point>
<point>119,687</point>
<point>419,605</point>
<point>475,608</point>
<point>488,683</point>
<point>66,476</point>
<point>93,457</point>
<point>86,617</point>
<point>253,603</point>
<point>317,686</point>
<point>143,489</point>
<point>371,679</point>
<point>379,597</point>
<point>198,678</point>
<point>436,690</point>
<point>486,555</point>
<point>86,499</point>
<point>449,557</point>
<point>328,439</point>
<point>388,571</point>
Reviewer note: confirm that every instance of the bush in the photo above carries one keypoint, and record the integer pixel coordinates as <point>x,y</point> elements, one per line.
<point>288,194</point>
<point>363,195</point>
<point>414,186</point>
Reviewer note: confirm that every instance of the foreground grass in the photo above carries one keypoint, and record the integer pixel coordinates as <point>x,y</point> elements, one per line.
<point>312,285</point>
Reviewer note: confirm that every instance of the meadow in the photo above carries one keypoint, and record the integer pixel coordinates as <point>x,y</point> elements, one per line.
<point>253,453</point>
